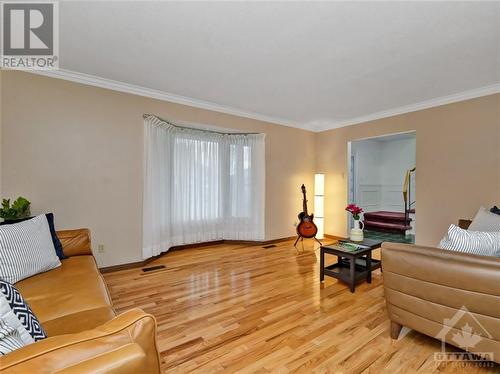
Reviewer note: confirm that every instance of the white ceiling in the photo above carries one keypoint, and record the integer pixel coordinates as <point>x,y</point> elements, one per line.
<point>314,65</point>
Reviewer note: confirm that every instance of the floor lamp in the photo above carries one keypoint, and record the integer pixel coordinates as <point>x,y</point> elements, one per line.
<point>319,204</point>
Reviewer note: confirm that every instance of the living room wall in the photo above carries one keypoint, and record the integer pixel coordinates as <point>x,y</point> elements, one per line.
<point>458,163</point>
<point>77,150</point>
<point>1,114</point>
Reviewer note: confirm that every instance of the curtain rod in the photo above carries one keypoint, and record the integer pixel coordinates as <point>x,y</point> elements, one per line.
<point>194,128</point>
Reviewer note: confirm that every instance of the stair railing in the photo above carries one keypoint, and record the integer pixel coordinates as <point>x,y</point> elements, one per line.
<point>407,192</point>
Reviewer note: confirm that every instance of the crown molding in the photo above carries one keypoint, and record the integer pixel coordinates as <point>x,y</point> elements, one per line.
<point>110,84</point>
<point>443,100</point>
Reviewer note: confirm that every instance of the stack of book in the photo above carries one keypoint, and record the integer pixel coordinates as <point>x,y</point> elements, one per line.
<point>344,245</point>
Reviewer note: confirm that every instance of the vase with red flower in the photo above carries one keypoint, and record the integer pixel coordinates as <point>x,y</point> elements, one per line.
<point>357,229</point>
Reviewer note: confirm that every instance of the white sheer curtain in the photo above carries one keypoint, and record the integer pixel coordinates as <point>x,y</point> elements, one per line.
<point>200,186</point>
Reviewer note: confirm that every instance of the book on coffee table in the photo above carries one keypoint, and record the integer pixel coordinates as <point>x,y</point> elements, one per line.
<point>344,245</point>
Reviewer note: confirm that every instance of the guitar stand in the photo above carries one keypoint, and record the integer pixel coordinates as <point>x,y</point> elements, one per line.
<point>302,239</point>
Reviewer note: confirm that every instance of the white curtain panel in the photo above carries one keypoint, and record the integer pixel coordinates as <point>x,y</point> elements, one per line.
<point>200,186</point>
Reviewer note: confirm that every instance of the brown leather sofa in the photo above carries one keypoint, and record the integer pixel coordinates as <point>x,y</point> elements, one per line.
<point>84,334</point>
<point>426,289</point>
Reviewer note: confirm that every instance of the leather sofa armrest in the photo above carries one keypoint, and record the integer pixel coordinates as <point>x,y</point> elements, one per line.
<point>75,242</point>
<point>440,279</point>
<point>126,344</point>
<point>474,273</point>
<point>438,292</point>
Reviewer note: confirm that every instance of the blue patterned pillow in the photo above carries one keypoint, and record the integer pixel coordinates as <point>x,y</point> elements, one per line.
<point>22,311</point>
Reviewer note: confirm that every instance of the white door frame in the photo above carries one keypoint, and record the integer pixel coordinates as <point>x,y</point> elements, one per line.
<point>353,177</point>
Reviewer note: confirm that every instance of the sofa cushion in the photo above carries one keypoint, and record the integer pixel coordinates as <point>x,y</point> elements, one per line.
<point>80,321</point>
<point>75,242</point>
<point>69,299</point>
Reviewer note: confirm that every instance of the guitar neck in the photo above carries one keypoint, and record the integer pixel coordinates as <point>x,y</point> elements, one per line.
<point>304,205</point>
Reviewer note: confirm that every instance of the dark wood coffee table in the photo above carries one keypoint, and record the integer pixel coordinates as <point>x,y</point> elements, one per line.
<point>351,266</point>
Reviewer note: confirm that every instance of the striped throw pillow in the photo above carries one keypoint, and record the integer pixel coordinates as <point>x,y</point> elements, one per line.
<point>474,242</point>
<point>10,338</point>
<point>26,249</point>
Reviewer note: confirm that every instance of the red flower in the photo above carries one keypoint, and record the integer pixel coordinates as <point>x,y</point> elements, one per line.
<point>354,210</point>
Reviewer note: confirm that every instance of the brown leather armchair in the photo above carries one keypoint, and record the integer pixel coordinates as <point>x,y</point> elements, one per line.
<point>84,334</point>
<point>452,296</point>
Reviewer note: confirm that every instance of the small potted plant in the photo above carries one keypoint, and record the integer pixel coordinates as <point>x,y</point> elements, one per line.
<point>19,209</point>
<point>357,230</point>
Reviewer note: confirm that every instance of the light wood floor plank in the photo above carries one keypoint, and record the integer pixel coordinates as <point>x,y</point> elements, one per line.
<point>246,309</point>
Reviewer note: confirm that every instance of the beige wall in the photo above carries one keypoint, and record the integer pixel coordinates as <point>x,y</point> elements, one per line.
<point>76,150</point>
<point>458,163</point>
<point>1,114</point>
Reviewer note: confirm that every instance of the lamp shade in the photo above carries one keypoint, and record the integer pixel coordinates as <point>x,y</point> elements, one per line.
<point>319,184</point>
<point>320,224</point>
<point>319,204</point>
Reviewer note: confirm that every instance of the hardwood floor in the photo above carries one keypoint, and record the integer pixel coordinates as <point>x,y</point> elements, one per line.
<point>246,309</point>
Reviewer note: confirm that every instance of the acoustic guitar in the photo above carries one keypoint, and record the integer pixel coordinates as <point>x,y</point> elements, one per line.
<point>306,227</point>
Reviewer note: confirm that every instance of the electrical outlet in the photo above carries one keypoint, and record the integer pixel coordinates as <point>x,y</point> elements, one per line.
<point>100,248</point>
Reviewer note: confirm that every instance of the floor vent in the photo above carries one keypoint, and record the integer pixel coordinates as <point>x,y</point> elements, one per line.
<point>269,246</point>
<point>153,268</point>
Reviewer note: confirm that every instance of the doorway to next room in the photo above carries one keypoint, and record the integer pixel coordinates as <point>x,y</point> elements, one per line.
<point>382,175</point>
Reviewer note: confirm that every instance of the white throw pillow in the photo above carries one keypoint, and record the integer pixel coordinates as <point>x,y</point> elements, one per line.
<point>12,333</point>
<point>26,249</point>
<point>475,242</point>
<point>485,221</point>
